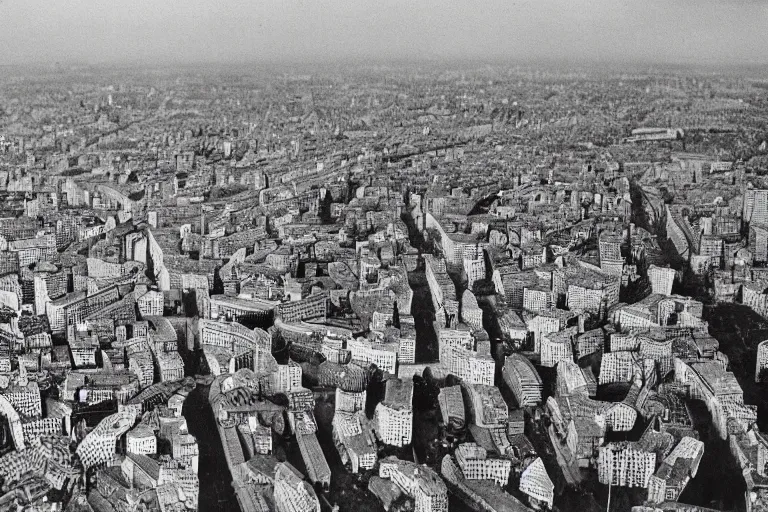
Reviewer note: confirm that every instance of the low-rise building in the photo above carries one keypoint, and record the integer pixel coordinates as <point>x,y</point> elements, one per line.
<point>419,482</point>
<point>625,464</point>
<point>675,471</point>
<point>475,464</point>
<point>535,482</point>
<point>393,417</point>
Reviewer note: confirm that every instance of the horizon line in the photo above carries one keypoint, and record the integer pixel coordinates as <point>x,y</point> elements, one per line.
<point>362,61</point>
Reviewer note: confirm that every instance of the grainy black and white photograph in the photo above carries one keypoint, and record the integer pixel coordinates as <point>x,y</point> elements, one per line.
<point>393,256</point>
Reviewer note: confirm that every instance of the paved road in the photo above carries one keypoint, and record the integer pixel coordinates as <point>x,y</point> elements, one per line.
<point>216,492</point>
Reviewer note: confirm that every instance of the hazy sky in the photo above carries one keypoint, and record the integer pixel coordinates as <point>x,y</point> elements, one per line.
<point>679,31</point>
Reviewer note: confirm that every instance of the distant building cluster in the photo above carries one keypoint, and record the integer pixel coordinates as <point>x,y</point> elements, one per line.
<point>391,289</point>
